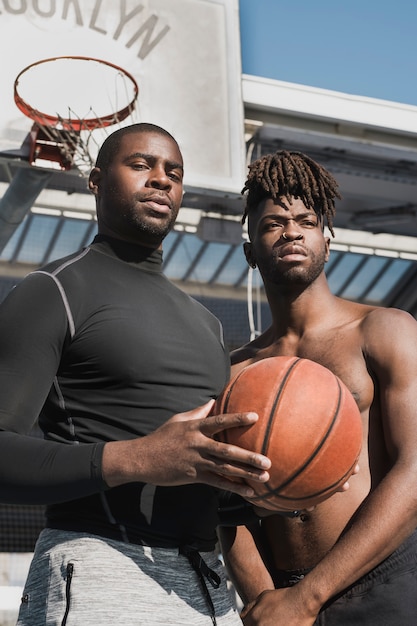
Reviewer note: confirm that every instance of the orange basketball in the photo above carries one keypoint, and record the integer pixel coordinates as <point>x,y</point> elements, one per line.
<point>309,426</point>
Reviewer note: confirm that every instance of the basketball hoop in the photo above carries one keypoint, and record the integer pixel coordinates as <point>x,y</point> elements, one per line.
<point>88,95</point>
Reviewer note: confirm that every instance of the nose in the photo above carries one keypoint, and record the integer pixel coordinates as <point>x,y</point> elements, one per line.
<point>291,232</point>
<point>158,178</point>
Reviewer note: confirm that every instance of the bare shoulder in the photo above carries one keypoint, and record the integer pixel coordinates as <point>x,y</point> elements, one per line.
<point>383,319</point>
<point>243,355</point>
<point>248,353</point>
<point>390,335</point>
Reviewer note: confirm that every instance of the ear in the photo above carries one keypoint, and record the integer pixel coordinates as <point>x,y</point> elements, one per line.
<point>247,249</point>
<point>327,244</point>
<point>94,180</point>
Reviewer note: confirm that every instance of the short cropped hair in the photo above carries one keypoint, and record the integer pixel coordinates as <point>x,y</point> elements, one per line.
<point>111,144</point>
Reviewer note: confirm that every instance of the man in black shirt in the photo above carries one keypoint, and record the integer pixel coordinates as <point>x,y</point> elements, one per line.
<point>121,369</point>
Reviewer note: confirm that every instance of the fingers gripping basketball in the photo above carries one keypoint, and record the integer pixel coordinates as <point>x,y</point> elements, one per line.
<point>309,426</point>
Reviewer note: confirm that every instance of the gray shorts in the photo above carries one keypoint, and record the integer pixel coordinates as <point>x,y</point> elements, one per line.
<point>77,579</point>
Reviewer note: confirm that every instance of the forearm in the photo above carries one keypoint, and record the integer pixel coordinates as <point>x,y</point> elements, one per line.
<point>35,471</point>
<point>244,563</point>
<point>385,519</point>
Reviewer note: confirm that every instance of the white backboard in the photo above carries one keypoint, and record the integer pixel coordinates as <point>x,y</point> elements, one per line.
<point>184,55</point>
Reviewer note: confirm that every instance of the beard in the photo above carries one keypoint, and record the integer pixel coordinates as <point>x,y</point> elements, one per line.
<point>293,274</point>
<point>156,229</point>
<point>144,224</point>
<point>130,218</point>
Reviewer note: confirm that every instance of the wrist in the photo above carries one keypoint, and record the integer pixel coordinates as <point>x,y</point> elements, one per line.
<point>119,463</point>
<point>311,594</point>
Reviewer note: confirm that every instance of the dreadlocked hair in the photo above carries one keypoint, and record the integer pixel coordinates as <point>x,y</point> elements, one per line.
<point>291,175</point>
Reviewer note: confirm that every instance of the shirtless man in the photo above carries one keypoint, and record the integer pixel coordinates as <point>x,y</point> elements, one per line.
<point>352,559</point>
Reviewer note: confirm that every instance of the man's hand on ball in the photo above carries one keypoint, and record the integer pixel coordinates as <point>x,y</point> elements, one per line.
<point>184,451</point>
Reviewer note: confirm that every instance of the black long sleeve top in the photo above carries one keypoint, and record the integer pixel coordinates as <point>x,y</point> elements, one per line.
<point>101,346</point>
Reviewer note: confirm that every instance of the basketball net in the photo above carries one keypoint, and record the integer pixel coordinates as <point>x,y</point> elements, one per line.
<point>255,329</point>
<point>88,96</point>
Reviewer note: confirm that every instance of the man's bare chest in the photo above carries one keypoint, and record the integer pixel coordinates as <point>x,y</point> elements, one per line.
<point>341,351</point>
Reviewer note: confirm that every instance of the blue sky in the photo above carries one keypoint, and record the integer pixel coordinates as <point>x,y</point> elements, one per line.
<point>360,47</point>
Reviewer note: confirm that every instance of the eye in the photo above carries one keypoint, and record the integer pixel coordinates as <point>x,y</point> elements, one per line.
<point>310,222</point>
<point>175,176</point>
<point>273,225</point>
<point>139,165</point>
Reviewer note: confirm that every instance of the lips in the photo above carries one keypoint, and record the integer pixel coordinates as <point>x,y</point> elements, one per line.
<point>291,249</point>
<point>158,203</point>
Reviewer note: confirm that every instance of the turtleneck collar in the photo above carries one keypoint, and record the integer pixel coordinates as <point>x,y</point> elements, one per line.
<point>135,254</point>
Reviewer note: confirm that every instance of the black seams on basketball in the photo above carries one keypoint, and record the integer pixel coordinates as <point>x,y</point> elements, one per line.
<point>309,426</point>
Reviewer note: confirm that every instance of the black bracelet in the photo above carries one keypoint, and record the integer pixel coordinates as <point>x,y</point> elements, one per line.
<point>242,513</point>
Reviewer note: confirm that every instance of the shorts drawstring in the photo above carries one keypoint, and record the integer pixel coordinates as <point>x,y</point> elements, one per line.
<point>203,572</point>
